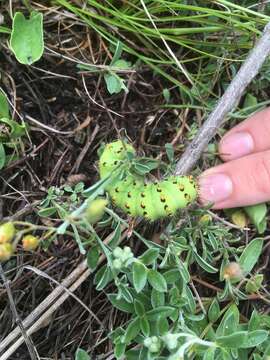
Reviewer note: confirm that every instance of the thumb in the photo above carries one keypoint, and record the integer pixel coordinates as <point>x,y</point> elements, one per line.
<point>241,182</point>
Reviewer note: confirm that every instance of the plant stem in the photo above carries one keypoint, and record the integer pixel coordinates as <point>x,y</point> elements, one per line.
<point>227,102</point>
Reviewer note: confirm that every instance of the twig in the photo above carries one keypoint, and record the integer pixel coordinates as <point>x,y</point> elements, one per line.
<point>227,102</point>
<point>48,301</point>
<point>46,276</point>
<point>90,139</point>
<point>26,338</point>
<point>48,313</point>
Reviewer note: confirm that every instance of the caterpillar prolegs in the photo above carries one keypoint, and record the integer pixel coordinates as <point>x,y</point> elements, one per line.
<point>137,198</point>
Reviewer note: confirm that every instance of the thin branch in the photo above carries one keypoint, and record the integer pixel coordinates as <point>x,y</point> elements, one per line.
<point>44,305</point>
<point>26,337</point>
<point>43,318</point>
<point>227,102</point>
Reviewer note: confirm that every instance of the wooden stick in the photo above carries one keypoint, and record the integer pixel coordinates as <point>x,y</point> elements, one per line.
<point>26,338</point>
<point>47,302</point>
<point>42,319</point>
<point>227,102</point>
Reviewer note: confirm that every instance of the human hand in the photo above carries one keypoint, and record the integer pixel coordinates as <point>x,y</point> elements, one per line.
<point>244,178</point>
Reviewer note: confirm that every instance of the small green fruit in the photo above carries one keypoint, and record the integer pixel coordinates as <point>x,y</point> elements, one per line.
<point>95,210</point>
<point>117,252</point>
<point>239,218</point>
<point>117,264</point>
<point>153,344</point>
<point>6,251</point>
<point>30,242</point>
<point>7,232</point>
<point>205,219</point>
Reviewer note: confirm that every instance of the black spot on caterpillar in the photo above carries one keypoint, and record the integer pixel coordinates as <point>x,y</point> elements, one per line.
<point>138,198</point>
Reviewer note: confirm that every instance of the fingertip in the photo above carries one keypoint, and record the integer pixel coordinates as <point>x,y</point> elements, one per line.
<point>214,188</point>
<point>235,145</point>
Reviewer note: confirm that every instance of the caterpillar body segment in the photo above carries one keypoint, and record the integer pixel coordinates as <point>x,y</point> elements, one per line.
<point>113,154</point>
<point>125,195</point>
<point>154,200</point>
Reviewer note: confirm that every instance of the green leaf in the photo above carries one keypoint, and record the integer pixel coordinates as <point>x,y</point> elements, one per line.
<point>103,277</point>
<point>166,94</point>
<point>144,325</point>
<point>172,275</point>
<point>214,311</point>
<point>225,355</point>
<point>191,304</point>
<point>257,214</point>
<point>255,338</point>
<point>170,152</point>
<point>119,350</point>
<point>121,304</point>
<point>144,166</point>
<point>92,257</point>
<point>14,131</point>
<point>251,254</point>
<point>161,326</point>
<point>81,355</point>
<point>149,256</point>
<point>47,212</point>
<point>265,321</point>
<point>157,298</point>
<point>183,269</point>
<point>209,354</point>
<point>139,275</point>
<point>139,308</point>
<point>204,264</point>
<point>26,40</point>
<point>250,100</point>
<point>2,156</point>
<point>134,354</point>
<point>114,85</point>
<point>267,350</point>
<point>255,321</point>
<point>125,292</point>
<point>132,331</point>
<point>161,311</point>
<point>117,52</point>
<point>121,64</point>
<point>175,298</point>
<point>250,104</point>
<point>235,340</point>
<point>254,284</point>
<point>229,322</point>
<point>195,317</point>
<point>116,236</point>
<point>4,106</point>
<point>157,280</point>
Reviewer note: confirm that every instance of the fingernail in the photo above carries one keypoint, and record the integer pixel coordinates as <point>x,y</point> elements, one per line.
<point>215,188</point>
<point>237,145</point>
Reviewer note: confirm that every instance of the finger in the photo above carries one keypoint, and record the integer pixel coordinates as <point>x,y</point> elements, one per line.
<point>251,136</point>
<point>240,182</point>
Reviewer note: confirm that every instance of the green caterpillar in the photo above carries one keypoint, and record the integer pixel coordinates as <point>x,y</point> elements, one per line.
<point>138,198</point>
